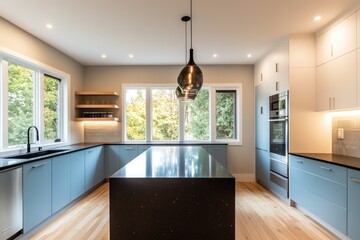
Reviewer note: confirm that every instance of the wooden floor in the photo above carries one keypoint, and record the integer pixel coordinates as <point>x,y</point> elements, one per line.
<point>259,215</point>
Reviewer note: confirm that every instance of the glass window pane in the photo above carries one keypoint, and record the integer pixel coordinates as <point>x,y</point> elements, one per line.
<point>225,114</point>
<point>135,103</point>
<point>197,117</point>
<point>20,103</point>
<point>51,108</point>
<point>165,115</point>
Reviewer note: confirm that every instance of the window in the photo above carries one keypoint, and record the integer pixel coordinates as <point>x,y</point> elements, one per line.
<point>29,96</point>
<point>153,113</point>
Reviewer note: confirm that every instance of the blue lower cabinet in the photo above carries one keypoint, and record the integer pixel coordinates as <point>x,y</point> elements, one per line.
<point>112,153</point>
<point>219,152</point>
<point>127,153</point>
<point>60,183</point>
<point>94,167</point>
<point>36,193</point>
<point>77,174</point>
<point>262,166</point>
<point>320,188</point>
<point>353,204</point>
<point>142,148</point>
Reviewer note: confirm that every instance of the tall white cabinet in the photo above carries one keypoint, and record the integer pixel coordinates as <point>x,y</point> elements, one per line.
<point>336,72</point>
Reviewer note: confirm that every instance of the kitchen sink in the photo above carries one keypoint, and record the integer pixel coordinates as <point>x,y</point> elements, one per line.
<point>37,154</point>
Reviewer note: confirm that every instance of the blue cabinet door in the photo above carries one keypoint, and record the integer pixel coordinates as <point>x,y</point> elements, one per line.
<point>262,167</point>
<point>36,193</point>
<point>94,167</point>
<point>112,155</point>
<point>60,183</point>
<point>353,204</point>
<point>77,174</point>
<point>219,152</point>
<point>262,116</point>
<point>142,148</point>
<point>127,153</point>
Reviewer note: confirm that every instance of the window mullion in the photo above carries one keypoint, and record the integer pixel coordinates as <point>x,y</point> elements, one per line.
<point>148,114</point>
<point>4,104</point>
<point>212,114</point>
<point>39,103</point>
<point>181,121</point>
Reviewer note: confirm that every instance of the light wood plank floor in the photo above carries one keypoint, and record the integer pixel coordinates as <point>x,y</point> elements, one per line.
<point>259,215</point>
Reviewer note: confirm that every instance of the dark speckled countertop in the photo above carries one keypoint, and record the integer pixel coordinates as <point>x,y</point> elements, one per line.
<point>337,159</point>
<point>173,162</point>
<point>13,162</point>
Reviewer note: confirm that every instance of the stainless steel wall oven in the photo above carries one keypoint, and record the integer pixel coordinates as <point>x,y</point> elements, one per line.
<point>279,139</point>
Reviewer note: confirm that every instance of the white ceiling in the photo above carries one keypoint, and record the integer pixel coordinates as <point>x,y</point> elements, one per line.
<point>152,31</point>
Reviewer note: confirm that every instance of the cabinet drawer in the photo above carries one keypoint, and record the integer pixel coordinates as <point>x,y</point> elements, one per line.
<point>322,169</point>
<point>353,204</point>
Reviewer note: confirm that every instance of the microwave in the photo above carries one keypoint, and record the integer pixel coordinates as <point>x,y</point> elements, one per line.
<point>278,105</point>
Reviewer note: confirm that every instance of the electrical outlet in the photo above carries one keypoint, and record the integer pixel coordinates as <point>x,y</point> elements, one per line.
<point>340,133</point>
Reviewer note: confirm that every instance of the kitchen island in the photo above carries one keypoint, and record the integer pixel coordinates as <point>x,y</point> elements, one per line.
<point>172,192</point>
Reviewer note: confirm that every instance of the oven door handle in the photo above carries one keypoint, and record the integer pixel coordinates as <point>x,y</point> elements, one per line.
<point>278,120</point>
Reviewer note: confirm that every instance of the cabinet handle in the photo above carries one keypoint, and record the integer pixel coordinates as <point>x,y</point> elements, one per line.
<point>299,161</point>
<point>129,148</point>
<point>354,180</point>
<point>325,168</point>
<point>261,110</point>
<point>40,165</point>
<point>261,77</point>
<point>332,50</point>
<point>333,102</point>
<point>329,103</point>
<point>277,67</point>
<point>277,86</point>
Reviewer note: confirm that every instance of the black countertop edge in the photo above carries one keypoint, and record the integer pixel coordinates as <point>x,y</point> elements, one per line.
<point>341,160</point>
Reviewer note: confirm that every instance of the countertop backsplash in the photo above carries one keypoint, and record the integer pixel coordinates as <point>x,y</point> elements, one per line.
<point>109,132</point>
<point>346,135</point>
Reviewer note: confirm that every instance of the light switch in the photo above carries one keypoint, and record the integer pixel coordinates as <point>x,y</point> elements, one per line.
<point>340,133</point>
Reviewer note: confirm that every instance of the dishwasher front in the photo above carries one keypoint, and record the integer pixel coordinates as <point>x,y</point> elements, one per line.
<point>11,211</point>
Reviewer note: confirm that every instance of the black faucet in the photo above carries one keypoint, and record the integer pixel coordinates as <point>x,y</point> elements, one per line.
<point>28,137</point>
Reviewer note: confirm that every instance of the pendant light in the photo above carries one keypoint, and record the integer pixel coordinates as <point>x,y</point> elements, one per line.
<point>190,79</point>
<point>186,96</point>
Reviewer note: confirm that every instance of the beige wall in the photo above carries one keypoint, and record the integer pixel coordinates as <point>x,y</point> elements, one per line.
<point>21,42</point>
<point>110,78</point>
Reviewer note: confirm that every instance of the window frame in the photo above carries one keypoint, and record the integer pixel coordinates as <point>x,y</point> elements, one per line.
<point>212,87</point>
<point>40,70</point>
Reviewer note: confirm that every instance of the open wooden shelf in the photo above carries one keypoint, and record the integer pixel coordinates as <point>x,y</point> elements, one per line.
<point>87,93</point>
<point>98,119</point>
<point>104,106</point>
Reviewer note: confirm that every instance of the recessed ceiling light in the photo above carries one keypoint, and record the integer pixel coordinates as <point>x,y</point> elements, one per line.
<point>215,55</point>
<point>131,55</point>
<point>103,56</point>
<point>317,18</point>
<point>249,55</point>
<point>49,26</point>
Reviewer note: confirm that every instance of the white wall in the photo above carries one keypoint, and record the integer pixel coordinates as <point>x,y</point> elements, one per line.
<point>110,78</point>
<point>17,40</point>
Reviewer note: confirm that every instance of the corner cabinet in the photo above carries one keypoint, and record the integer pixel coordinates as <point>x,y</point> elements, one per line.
<point>96,106</point>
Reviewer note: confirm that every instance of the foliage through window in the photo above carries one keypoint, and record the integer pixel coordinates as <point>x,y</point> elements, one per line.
<point>32,98</point>
<point>154,114</point>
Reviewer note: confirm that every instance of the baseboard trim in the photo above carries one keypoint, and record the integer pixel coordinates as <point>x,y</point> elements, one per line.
<point>244,177</point>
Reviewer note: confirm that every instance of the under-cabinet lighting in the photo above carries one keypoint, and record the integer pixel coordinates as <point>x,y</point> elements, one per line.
<point>49,26</point>
<point>351,113</point>
<point>131,55</point>
<point>249,55</point>
<point>215,55</point>
<point>103,56</point>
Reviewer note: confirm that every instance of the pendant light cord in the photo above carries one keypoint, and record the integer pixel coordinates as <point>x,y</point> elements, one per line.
<point>191,19</point>
<point>186,51</point>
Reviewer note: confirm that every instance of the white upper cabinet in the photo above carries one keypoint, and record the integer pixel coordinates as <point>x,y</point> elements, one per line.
<point>336,85</point>
<point>279,68</point>
<point>337,41</point>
